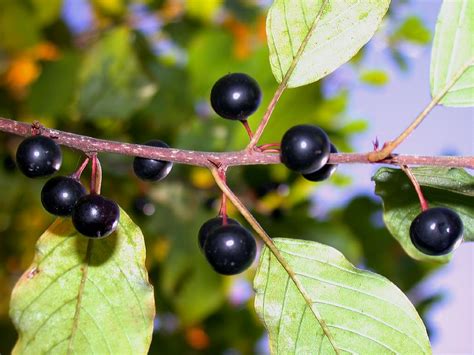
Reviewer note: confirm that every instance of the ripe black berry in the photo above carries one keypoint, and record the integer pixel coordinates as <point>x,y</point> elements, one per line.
<point>209,226</point>
<point>325,172</point>
<point>151,169</point>
<point>95,216</point>
<point>437,231</point>
<point>305,148</point>
<point>38,156</point>
<point>235,96</point>
<point>60,194</point>
<point>230,249</point>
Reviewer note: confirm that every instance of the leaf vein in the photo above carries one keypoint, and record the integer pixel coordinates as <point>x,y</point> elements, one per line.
<point>350,309</point>
<point>58,277</point>
<point>363,336</point>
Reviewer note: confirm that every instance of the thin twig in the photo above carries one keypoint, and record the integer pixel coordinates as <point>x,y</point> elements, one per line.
<point>390,146</point>
<point>273,248</point>
<point>77,174</point>
<point>210,159</point>
<point>416,185</point>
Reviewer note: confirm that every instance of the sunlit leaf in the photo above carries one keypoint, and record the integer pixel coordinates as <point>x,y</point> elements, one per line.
<point>318,46</point>
<point>47,11</point>
<point>363,312</point>
<point>453,49</point>
<point>413,30</point>
<point>85,296</point>
<point>203,10</point>
<point>443,187</point>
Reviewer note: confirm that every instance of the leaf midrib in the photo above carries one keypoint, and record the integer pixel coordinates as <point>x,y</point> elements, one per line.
<point>80,293</point>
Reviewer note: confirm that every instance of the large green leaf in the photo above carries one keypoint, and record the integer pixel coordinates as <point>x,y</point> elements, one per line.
<point>364,312</point>
<point>85,296</point>
<point>315,45</point>
<point>113,83</point>
<point>453,48</point>
<point>448,187</point>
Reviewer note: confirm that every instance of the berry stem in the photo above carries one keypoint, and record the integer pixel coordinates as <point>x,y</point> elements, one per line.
<point>209,159</point>
<point>416,185</point>
<point>247,128</point>
<point>265,147</point>
<point>273,248</point>
<point>223,208</point>
<point>96,175</point>
<point>390,146</point>
<point>77,174</point>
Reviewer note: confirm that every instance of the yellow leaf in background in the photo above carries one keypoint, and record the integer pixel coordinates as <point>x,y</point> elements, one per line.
<point>202,178</point>
<point>46,51</point>
<point>22,72</point>
<point>110,7</point>
<point>203,10</point>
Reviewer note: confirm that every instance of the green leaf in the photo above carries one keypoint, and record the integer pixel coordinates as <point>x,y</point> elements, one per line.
<point>306,48</point>
<point>453,50</point>
<point>47,11</point>
<point>113,82</point>
<point>413,30</point>
<point>54,90</point>
<point>375,77</point>
<point>85,296</point>
<point>364,312</point>
<point>18,27</point>
<point>448,187</point>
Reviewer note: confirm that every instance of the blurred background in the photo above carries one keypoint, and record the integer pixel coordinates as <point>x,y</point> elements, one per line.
<point>138,70</point>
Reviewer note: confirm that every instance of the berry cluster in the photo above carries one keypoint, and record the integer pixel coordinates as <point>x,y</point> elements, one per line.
<point>229,247</point>
<point>305,149</point>
<point>92,215</point>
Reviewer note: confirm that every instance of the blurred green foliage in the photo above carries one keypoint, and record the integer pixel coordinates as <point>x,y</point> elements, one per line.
<point>142,70</point>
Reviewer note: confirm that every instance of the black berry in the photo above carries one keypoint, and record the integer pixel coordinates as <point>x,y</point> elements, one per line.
<point>235,96</point>
<point>38,156</point>
<point>95,216</point>
<point>436,231</point>
<point>305,148</point>
<point>230,249</point>
<point>325,172</point>
<point>209,226</point>
<point>151,169</point>
<point>60,194</point>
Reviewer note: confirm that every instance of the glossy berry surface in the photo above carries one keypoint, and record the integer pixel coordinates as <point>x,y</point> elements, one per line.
<point>305,148</point>
<point>210,226</point>
<point>60,194</point>
<point>437,231</point>
<point>95,216</point>
<point>235,96</point>
<point>152,169</point>
<point>325,172</point>
<point>230,249</point>
<point>38,156</point>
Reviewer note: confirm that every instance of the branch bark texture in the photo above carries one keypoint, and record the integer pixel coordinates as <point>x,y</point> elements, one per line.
<point>212,159</point>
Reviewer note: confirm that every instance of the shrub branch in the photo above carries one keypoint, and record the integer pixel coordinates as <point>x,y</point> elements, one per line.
<point>211,159</point>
